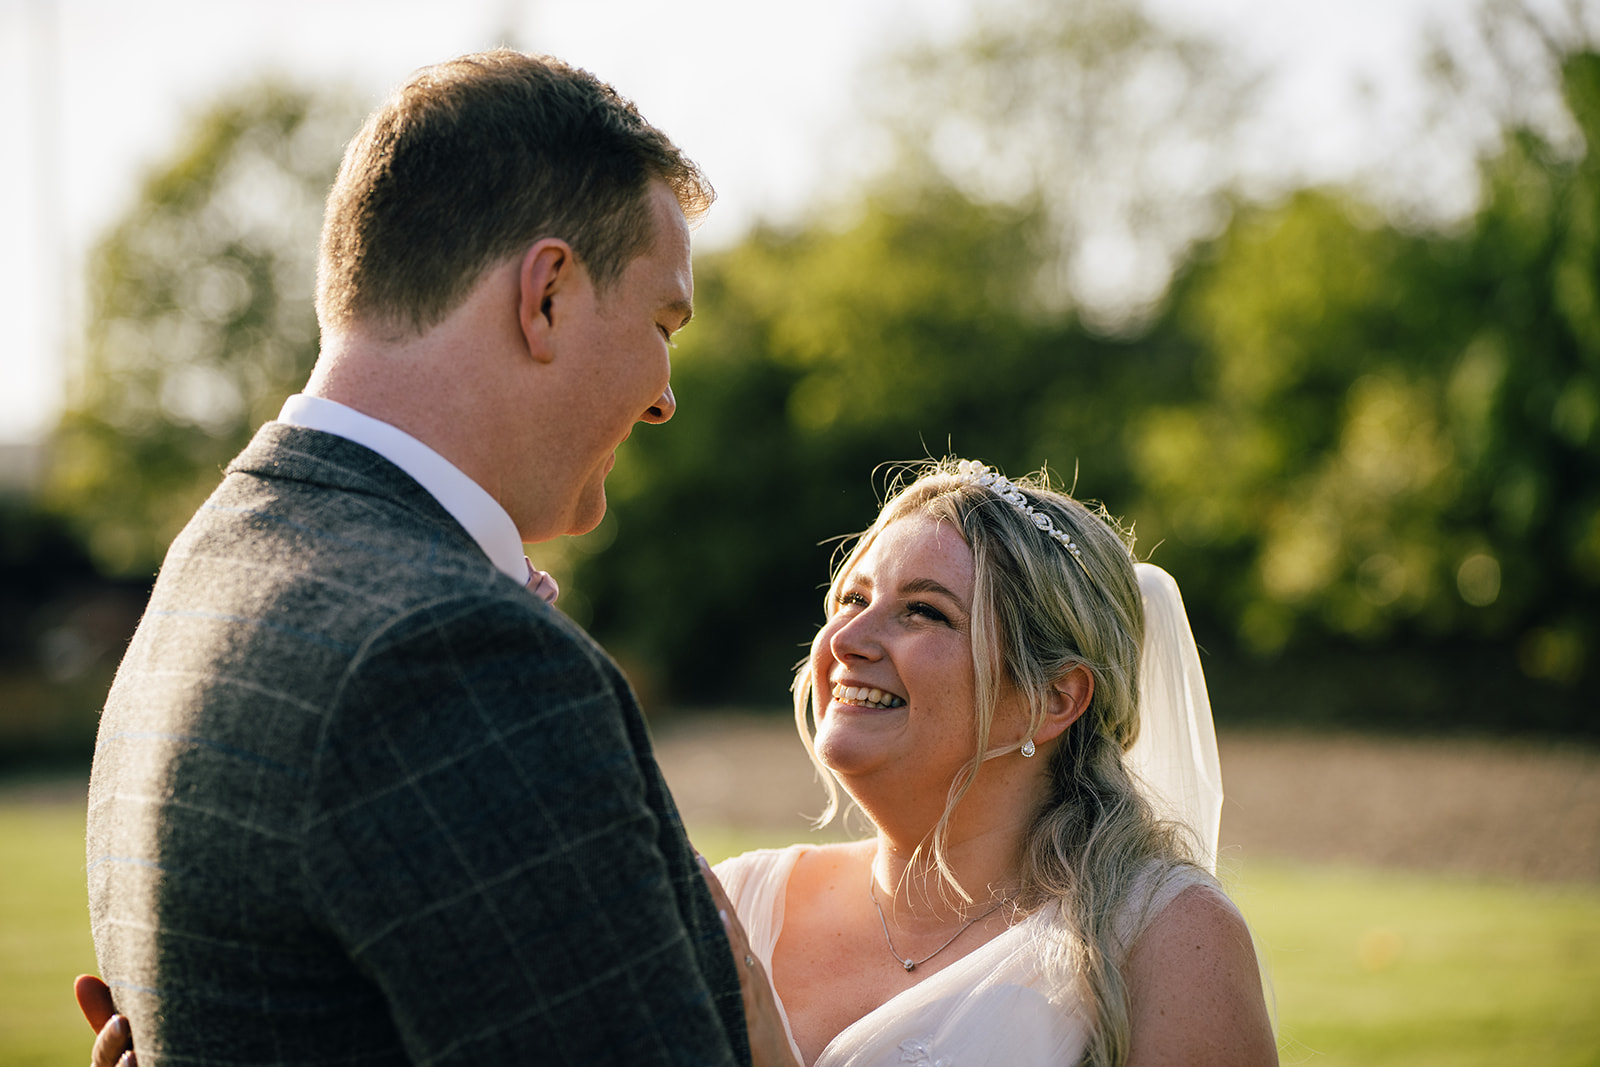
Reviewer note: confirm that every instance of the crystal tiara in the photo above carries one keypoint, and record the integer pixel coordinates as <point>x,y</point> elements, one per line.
<point>971,472</point>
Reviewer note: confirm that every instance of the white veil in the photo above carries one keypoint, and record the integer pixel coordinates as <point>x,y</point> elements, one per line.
<point>1175,755</point>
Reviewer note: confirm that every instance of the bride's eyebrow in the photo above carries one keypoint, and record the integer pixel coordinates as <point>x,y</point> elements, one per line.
<point>856,580</point>
<point>928,585</point>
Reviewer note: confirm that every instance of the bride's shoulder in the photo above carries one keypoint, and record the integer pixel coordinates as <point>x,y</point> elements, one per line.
<point>1194,981</point>
<point>834,855</point>
<point>1155,889</point>
<point>755,858</point>
<point>757,864</point>
<point>795,865</point>
<point>1197,906</point>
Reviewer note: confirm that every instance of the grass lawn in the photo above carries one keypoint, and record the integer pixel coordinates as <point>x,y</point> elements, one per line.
<point>44,935</point>
<point>1378,968</point>
<point>1371,968</point>
<point>1367,967</point>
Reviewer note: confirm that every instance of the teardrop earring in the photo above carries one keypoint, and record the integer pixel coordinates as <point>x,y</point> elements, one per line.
<point>1027,747</point>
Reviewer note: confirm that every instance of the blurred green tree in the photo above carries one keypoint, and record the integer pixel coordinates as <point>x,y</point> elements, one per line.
<point>200,320</point>
<point>945,309</point>
<point>1392,433</point>
<point>815,357</point>
<point>62,629</point>
<point>1344,430</point>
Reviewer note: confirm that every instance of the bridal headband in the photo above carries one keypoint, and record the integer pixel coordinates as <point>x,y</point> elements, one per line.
<point>971,472</point>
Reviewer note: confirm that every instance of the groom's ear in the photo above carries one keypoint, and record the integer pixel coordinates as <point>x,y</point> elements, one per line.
<point>545,278</point>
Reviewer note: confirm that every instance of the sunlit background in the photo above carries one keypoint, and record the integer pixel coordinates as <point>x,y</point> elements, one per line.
<point>1309,292</point>
<point>768,97</point>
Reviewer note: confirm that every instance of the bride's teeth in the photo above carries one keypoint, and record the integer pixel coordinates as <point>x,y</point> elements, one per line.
<point>866,696</point>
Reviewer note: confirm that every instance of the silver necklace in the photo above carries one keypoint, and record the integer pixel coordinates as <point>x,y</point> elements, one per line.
<point>906,961</point>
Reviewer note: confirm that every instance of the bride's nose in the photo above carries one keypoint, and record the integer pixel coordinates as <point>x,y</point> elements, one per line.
<point>856,637</point>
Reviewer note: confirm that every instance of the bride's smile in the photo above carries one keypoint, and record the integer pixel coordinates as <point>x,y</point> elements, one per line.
<point>899,628</point>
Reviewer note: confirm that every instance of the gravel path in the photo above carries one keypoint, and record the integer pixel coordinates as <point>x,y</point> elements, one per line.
<point>1507,809</point>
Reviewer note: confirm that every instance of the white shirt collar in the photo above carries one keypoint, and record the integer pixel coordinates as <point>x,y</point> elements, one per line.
<point>467,502</point>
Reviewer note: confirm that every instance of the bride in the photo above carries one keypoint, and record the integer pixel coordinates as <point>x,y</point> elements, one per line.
<point>1038,888</point>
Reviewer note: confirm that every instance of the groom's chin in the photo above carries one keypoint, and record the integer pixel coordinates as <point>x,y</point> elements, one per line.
<point>590,510</point>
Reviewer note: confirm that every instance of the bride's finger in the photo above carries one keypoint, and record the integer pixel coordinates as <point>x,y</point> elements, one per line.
<point>113,1046</point>
<point>94,1000</point>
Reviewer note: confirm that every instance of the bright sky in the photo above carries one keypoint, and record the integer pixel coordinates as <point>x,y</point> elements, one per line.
<point>758,93</point>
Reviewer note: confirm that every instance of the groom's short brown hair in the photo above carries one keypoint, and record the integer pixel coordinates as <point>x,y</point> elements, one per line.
<point>471,161</point>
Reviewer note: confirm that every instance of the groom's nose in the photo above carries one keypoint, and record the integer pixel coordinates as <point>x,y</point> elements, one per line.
<point>662,409</point>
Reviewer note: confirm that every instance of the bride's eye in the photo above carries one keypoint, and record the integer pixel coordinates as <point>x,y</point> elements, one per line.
<point>850,600</point>
<point>927,611</point>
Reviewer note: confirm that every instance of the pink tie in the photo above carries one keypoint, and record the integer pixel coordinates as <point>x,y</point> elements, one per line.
<point>541,584</point>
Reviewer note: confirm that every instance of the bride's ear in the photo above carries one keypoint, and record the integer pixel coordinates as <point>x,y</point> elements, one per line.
<point>1069,699</point>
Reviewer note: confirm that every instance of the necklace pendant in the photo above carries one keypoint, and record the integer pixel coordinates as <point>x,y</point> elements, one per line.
<point>909,964</point>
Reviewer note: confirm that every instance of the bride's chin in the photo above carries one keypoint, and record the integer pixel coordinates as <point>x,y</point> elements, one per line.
<point>846,755</point>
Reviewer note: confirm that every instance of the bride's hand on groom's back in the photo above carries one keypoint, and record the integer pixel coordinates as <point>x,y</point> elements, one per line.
<point>113,1043</point>
<point>769,1042</point>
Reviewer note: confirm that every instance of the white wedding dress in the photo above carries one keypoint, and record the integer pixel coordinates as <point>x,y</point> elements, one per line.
<point>995,1007</point>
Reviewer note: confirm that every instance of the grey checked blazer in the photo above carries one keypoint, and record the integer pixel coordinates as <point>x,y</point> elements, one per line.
<point>358,797</point>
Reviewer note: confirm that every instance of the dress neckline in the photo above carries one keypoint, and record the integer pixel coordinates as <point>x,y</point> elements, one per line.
<point>945,975</point>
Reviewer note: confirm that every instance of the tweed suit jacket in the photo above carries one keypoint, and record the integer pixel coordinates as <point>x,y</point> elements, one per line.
<point>358,797</point>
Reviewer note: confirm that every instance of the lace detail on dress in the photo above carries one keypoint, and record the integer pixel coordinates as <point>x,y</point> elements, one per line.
<point>920,1053</point>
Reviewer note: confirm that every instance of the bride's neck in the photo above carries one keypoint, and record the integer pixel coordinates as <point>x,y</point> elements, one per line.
<point>983,846</point>
<point>985,862</point>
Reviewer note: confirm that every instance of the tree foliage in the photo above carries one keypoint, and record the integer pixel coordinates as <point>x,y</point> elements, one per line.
<point>1343,431</point>
<point>200,320</point>
<point>817,359</point>
<point>1364,445</point>
<point>1393,433</point>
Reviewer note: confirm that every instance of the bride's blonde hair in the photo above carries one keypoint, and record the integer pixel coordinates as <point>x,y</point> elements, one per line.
<point>1039,610</point>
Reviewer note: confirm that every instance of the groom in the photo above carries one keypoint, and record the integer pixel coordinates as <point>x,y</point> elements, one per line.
<point>358,794</point>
